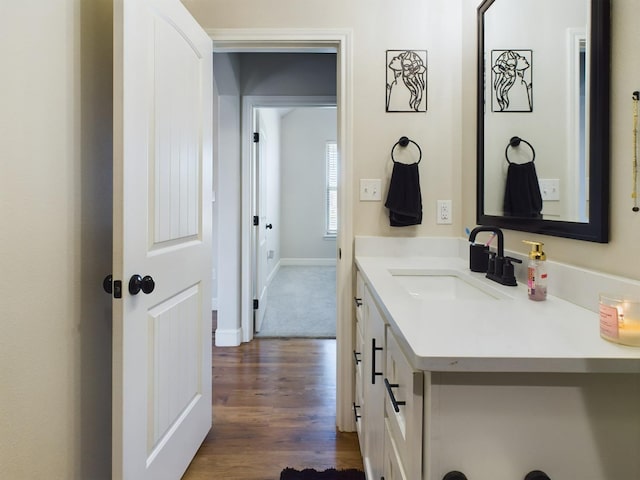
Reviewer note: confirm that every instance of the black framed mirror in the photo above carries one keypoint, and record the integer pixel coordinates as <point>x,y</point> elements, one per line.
<point>543,117</point>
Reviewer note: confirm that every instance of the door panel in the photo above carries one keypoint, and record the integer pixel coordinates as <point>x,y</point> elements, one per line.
<point>162,228</point>
<point>260,267</point>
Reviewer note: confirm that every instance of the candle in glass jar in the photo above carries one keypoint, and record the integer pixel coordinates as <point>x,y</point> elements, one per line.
<point>620,319</point>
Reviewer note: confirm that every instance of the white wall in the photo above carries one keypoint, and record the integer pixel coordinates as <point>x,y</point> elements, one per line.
<point>55,206</point>
<point>228,206</point>
<point>305,132</point>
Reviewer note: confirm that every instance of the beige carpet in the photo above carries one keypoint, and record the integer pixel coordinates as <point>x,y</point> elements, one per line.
<point>301,302</point>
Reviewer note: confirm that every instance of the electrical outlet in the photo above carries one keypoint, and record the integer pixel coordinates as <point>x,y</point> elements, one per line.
<point>443,213</point>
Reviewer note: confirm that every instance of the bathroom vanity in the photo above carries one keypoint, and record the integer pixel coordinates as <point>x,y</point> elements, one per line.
<point>458,373</point>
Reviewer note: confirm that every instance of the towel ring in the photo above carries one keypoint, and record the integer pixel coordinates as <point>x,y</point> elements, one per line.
<point>403,142</point>
<point>515,142</point>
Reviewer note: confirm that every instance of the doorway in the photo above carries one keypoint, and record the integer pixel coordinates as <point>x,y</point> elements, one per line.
<point>295,201</point>
<point>282,41</point>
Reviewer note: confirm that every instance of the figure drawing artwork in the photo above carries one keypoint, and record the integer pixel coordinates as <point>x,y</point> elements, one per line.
<point>406,81</point>
<point>511,85</point>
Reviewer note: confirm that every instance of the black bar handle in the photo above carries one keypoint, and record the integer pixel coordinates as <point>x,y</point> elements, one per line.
<point>358,301</point>
<point>355,412</point>
<point>374,349</point>
<point>396,404</point>
<point>356,357</point>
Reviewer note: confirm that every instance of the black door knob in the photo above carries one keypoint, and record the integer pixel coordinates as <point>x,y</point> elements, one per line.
<point>269,226</point>
<point>137,283</point>
<point>107,284</point>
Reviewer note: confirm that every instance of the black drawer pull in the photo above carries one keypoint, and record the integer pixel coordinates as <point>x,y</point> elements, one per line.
<point>396,404</point>
<point>356,357</point>
<point>374,349</point>
<point>355,411</point>
<point>358,301</point>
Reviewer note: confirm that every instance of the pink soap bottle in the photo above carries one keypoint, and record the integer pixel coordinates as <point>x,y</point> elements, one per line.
<point>536,272</point>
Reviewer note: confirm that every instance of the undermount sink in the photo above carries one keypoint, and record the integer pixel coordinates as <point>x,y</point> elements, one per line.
<point>443,285</point>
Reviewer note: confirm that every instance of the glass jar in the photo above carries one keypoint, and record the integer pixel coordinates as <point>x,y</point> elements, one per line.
<point>620,318</point>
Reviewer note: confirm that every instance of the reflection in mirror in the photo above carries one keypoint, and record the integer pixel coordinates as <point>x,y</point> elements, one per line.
<point>544,78</point>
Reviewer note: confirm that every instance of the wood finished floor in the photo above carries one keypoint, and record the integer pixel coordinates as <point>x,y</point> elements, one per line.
<point>274,407</point>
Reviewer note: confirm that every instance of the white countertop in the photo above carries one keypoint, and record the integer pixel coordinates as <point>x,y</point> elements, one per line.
<point>506,334</point>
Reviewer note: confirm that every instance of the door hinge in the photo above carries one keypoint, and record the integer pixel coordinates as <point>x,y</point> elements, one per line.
<point>256,220</point>
<point>256,137</point>
<point>256,304</point>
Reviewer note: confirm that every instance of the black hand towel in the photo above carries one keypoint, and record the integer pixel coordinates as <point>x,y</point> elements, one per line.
<point>522,192</point>
<point>404,200</point>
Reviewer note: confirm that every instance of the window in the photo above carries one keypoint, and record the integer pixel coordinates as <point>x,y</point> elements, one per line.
<point>331,213</point>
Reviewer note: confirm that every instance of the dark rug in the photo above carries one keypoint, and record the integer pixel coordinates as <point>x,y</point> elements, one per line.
<point>331,474</point>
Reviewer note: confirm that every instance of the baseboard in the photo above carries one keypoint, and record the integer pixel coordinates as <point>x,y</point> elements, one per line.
<point>308,262</point>
<point>228,338</point>
<point>273,273</point>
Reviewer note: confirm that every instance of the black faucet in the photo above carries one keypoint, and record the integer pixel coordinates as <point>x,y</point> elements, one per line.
<point>499,268</point>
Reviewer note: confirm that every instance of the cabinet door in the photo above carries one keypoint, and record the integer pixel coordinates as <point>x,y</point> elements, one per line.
<point>404,407</point>
<point>393,469</point>
<point>373,374</point>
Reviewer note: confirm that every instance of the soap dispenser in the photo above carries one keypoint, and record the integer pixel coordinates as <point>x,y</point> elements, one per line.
<point>536,272</point>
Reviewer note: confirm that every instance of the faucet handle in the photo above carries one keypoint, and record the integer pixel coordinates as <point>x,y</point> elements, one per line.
<point>508,275</point>
<point>491,263</point>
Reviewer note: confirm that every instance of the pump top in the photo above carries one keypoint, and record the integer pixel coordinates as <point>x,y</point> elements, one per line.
<point>536,252</point>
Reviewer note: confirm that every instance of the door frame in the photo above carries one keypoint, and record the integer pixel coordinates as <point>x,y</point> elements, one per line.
<point>340,42</point>
<point>249,105</point>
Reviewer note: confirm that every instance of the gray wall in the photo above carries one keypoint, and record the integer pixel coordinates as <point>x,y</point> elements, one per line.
<point>305,132</point>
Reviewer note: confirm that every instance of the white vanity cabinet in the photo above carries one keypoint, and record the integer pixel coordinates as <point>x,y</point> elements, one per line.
<point>500,422</point>
<point>390,431</point>
<point>373,365</point>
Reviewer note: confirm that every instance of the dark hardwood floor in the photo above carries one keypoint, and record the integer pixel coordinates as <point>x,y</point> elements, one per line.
<point>274,407</point>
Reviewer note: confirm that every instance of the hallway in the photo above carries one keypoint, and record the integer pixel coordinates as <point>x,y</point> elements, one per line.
<point>274,407</point>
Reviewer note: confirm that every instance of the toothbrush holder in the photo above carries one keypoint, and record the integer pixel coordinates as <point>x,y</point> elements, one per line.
<point>478,257</point>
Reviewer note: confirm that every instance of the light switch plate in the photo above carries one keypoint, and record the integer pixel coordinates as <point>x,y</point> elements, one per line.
<point>550,189</point>
<point>370,189</point>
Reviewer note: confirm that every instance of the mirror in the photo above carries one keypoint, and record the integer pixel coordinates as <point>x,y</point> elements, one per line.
<point>543,117</point>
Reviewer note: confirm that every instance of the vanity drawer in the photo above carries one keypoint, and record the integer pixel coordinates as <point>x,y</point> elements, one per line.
<point>392,466</point>
<point>358,298</point>
<point>404,407</point>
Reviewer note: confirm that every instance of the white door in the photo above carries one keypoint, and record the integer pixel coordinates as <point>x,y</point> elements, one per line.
<point>260,257</point>
<point>162,229</point>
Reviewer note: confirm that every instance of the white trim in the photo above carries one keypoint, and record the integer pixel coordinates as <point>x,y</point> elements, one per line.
<point>228,338</point>
<point>273,273</point>
<point>308,262</point>
<point>214,303</point>
<point>339,41</point>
